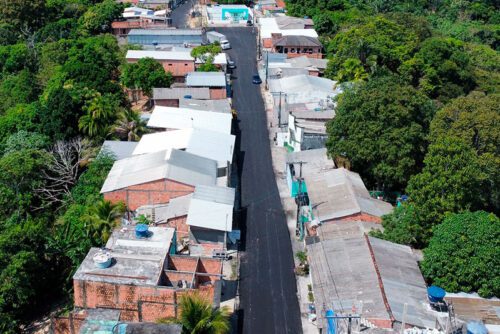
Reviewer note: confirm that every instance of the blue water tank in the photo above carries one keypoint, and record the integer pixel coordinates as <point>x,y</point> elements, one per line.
<point>476,327</point>
<point>436,294</point>
<point>141,231</point>
<point>188,97</point>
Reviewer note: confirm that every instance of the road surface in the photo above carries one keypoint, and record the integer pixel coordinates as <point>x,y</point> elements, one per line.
<point>268,294</point>
<point>179,14</point>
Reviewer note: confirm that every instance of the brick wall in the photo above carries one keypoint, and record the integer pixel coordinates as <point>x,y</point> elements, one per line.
<point>178,68</point>
<point>179,223</point>
<point>155,192</point>
<point>182,263</point>
<point>167,103</point>
<point>267,43</point>
<point>218,93</point>
<point>69,324</point>
<point>364,217</point>
<point>316,55</point>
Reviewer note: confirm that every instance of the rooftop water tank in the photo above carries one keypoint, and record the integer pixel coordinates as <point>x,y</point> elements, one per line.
<point>141,231</point>
<point>188,96</point>
<point>102,260</point>
<point>436,294</point>
<point>476,327</point>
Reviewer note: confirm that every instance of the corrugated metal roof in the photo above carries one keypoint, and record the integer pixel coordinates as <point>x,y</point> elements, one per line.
<point>213,145</point>
<point>159,55</point>
<point>136,170</point>
<point>191,169</point>
<point>222,105</point>
<point>290,22</point>
<point>206,79</point>
<point>162,141</point>
<point>118,149</point>
<point>165,32</point>
<point>268,26</point>
<point>180,92</point>
<point>306,89</point>
<point>176,207</point>
<point>403,282</point>
<point>212,208</point>
<point>205,143</point>
<point>185,118</point>
<point>339,193</point>
<point>176,165</point>
<point>343,274</point>
<point>292,40</point>
<point>305,61</point>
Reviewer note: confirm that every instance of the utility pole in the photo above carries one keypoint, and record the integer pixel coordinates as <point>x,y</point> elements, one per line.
<point>279,113</point>
<point>299,198</point>
<point>267,67</point>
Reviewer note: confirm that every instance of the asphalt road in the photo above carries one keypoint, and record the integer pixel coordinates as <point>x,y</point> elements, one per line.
<point>268,294</point>
<point>179,14</point>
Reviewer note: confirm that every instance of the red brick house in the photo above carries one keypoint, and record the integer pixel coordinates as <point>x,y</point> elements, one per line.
<point>297,46</point>
<point>139,279</point>
<point>215,81</point>
<point>179,63</point>
<point>156,178</point>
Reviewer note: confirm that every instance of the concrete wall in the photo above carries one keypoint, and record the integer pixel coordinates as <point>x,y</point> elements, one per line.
<point>178,68</point>
<point>155,192</point>
<point>364,217</point>
<point>167,103</point>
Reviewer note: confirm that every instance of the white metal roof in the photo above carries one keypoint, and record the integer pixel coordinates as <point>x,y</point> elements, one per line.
<point>206,79</point>
<point>159,55</point>
<point>305,88</point>
<point>161,141</point>
<point>213,145</point>
<point>186,118</point>
<point>212,208</point>
<point>175,165</point>
<point>219,59</point>
<point>205,143</point>
<point>268,26</point>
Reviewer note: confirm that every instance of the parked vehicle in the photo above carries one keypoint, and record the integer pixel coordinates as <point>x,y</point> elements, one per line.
<point>249,23</point>
<point>230,63</point>
<point>256,79</point>
<point>214,36</point>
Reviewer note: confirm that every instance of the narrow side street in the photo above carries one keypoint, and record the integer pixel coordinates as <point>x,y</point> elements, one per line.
<point>268,288</point>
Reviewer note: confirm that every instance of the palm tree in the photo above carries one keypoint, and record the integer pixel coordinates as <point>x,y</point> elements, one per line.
<point>100,111</point>
<point>103,217</point>
<point>129,126</point>
<point>197,316</point>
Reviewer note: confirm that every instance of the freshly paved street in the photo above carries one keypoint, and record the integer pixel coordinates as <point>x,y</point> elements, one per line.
<point>267,287</point>
<point>179,14</point>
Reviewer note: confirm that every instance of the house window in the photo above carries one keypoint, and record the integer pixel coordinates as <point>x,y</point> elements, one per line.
<point>186,64</point>
<point>286,50</point>
<point>292,50</point>
<point>169,64</point>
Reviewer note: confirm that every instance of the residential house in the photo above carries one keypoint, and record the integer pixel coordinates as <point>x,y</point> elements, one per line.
<point>353,273</point>
<point>222,105</point>
<point>170,97</point>
<point>139,18</point>
<point>169,118</point>
<point>156,178</point>
<point>213,145</point>
<point>269,26</point>
<point>175,62</point>
<point>137,277</point>
<point>215,81</point>
<point>306,129</point>
<point>316,67</point>
<point>221,14</point>
<point>176,37</point>
<point>296,45</point>
<point>341,195</point>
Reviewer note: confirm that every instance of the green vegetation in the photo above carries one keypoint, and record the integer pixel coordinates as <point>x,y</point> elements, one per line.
<point>60,97</point>
<point>196,315</point>
<point>419,116</point>
<point>206,54</point>
<point>473,240</point>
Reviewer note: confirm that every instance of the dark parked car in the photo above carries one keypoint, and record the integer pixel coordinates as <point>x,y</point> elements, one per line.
<point>256,79</point>
<point>231,64</point>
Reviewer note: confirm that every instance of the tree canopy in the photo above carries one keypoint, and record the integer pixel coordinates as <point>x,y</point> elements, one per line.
<point>146,74</point>
<point>464,254</point>
<point>380,128</point>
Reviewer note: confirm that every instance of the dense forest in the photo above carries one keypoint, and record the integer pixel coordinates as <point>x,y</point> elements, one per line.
<point>61,95</point>
<point>420,116</point>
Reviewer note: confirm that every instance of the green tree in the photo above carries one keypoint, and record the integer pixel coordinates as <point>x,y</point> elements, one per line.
<point>17,88</point>
<point>451,180</point>
<point>197,316</point>
<point>464,254</point>
<point>103,217</point>
<point>101,111</point>
<point>381,128</point>
<point>146,74</point>
<point>401,226</point>
<point>129,126</point>
<point>441,68</point>
<point>97,19</point>
<point>21,117</point>
<point>206,55</point>
<point>474,119</point>
<point>24,140</point>
<point>23,14</point>
<point>377,43</point>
